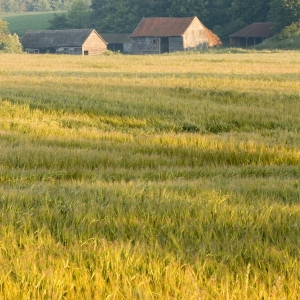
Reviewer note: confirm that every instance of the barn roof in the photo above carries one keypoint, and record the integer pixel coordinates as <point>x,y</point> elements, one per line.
<point>213,39</point>
<point>162,27</point>
<point>116,37</point>
<point>56,38</point>
<point>255,30</point>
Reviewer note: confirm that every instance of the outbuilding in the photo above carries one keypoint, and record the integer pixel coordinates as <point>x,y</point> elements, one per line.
<point>253,34</point>
<point>118,42</point>
<point>160,35</point>
<point>72,41</point>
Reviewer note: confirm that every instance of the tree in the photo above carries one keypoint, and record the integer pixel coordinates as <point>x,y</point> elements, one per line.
<point>284,12</point>
<point>8,5</point>
<point>59,22</point>
<point>56,5</point>
<point>8,43</point>
<point>79,14</point>
<point>155,8</point>
<point>116,15</point>
<point>189,8</point>
<point>219,17</point>
<point>4,32</point>
<point>245,12</point>
<point>41,5</point>
<point>12,44</point>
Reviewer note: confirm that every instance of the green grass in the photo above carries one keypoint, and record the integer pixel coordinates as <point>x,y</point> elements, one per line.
<point>19,23</point>
<point>150,177</point>
<point>291,43</point>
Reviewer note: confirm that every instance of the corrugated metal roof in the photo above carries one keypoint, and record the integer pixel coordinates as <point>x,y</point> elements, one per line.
<point>162,27</point>
<point>38,39</point>
<point>257,29</point>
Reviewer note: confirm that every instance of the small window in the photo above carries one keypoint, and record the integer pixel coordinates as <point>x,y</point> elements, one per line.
<point>86,52</point>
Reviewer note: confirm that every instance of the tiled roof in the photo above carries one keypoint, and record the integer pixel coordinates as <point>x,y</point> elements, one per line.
<point>255,30</point>
<point>162,27</point>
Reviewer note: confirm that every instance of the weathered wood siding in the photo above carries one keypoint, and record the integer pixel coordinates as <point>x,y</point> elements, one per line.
<point>176,44</point>
<point>195,36</point>
<point>93,45</point>
<point>146,45</point>
<point>127,48</point>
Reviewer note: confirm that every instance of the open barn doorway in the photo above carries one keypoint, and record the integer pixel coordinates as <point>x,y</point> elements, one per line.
<point>164,45</point>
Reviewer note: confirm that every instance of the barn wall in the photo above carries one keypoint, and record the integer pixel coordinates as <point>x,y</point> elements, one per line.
<point>127,47</point>
<point>93,45</point>
<point>69,50</point>
<point>146,45</point>
<point>175,44</point>
<point>195,36</point>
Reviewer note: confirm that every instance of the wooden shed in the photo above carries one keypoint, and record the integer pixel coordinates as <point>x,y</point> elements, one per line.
<point>159,35</point>
<point>73,41</point>
<point>118,42</point>
<point>252,34</point>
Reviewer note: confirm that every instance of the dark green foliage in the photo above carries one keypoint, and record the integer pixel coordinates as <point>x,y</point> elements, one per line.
<point>290,31</point>
<point>244,13</point>
<point>186,8</point>
<point>284,12</point>
<point>78,14</point>
<point>59,21</point>
<point>78,17</point>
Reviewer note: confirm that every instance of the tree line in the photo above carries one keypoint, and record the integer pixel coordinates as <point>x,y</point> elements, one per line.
<point>34,5</point>
<point>115,16</point>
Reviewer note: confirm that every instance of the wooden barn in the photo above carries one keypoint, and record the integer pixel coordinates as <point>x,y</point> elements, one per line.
<point>252,35</point>
<point>160,35</point>
<point>73,41</point>
<point>118,42</point>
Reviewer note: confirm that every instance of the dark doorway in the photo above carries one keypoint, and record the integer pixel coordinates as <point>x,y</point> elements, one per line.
<point>164,45</point>
<point>115,47</point>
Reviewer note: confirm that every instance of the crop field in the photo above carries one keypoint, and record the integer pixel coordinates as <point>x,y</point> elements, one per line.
<point>19,23</point>
<point>150,177</point>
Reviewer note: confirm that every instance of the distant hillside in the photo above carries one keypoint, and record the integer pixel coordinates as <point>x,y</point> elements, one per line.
<point>19,23</point>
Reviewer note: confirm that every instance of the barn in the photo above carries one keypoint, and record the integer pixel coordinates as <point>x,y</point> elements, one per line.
<point>118,42</point>
<point>73,41</point>
<point>253,34</point>
<point>160,35</point>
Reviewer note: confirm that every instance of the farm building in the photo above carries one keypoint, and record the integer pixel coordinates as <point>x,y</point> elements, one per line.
<point>159,35</point>
<point>73,41</point>
<point>118,42</point>
<point>253,34</point>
